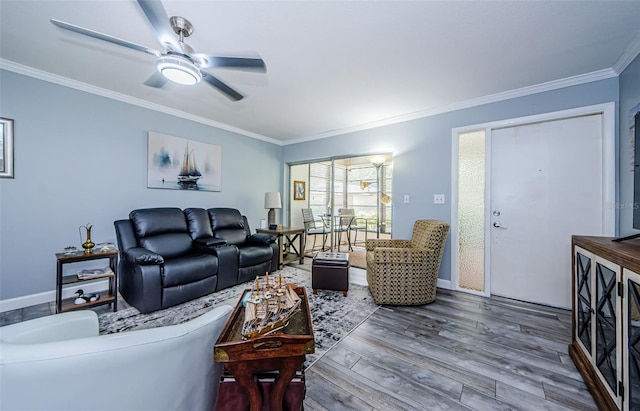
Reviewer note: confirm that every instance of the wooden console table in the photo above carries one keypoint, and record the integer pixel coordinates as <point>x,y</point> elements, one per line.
<point>606,319</point>
<point>283,351</point>
<point>286,241</point>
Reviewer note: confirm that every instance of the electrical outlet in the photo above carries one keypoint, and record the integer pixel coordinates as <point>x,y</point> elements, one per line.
<point>406,198</point>
<point>438,199</point>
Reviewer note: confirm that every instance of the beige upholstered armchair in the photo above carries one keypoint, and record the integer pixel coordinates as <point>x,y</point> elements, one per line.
<point>405,272</point>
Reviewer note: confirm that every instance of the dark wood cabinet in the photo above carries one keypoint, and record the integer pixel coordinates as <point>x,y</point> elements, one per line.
<point>606,319</point>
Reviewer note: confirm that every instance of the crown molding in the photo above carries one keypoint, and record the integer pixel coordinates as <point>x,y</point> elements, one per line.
<point>628,56</point>
<point>88,88</point>
<point>493,98</point>
<point>632,51</point>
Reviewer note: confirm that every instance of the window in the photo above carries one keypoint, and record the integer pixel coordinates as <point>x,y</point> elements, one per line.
<point>356,183</point>
<point>319,187</point>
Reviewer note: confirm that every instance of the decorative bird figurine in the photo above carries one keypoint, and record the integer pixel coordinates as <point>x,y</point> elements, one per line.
<point>82,298</point>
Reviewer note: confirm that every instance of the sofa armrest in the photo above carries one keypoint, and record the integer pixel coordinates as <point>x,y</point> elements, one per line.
<point>140,284</point>
<point>59,327</point>
<point>142,256</point>
<point>209,242</point>
<point>208,245</point>
<point>262,238</point>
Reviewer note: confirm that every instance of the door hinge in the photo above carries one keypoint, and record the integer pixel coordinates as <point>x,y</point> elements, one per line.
<point>621,289</point>
<point>620,389</point>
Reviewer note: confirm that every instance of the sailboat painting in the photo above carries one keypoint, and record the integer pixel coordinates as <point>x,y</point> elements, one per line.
<point>180,164</point>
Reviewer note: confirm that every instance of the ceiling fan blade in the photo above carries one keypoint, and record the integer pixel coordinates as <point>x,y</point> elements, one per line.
<point>222,87</point>
<point>157,16</point>
<point>241,63</point>
<point>105,37</point>
<point>156,80</point>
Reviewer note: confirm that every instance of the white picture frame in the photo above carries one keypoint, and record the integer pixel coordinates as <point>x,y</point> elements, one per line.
<point>6,148</point>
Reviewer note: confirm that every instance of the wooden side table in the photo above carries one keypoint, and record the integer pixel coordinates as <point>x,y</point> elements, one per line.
<point>286,241</point>
<point>110,296</point>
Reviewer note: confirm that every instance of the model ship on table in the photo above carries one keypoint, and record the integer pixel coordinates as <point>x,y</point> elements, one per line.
<point>269,308</point>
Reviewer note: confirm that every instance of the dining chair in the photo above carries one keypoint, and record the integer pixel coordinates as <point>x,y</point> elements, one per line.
<point>354,224</point>
<point>343,225</point>
<point>336,225</point>
<point>312,228</point>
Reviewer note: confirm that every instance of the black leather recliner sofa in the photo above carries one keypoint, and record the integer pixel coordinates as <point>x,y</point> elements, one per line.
<point>169,256</point>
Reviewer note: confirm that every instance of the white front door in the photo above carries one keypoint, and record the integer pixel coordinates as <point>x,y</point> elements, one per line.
<point>546,185</point>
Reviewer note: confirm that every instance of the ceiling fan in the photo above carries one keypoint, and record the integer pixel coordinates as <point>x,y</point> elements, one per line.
<point>179,63</point>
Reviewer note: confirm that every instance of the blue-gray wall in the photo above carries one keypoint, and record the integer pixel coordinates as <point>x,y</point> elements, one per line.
<point>422,149</point>
<point>629,98</point>
<point>82,158</point>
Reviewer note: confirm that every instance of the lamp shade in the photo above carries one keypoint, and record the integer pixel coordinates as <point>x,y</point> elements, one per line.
<point>272,200</point>
<point>378,160</point>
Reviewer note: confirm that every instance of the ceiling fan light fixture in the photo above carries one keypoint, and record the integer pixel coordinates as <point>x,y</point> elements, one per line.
<point>179,70</point>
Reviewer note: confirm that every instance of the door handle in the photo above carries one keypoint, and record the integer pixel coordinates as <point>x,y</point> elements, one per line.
<point>498,225</point>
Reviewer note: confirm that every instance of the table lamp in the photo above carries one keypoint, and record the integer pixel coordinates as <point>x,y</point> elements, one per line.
<point>271,202</point>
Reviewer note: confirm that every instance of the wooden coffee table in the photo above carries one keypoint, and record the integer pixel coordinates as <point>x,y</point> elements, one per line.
<point>283,351</point>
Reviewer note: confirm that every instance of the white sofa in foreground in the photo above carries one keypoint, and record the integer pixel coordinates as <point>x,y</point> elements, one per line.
<point>60,362</point>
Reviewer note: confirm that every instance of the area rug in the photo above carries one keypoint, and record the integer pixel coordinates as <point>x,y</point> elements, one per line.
<point>333,315</point>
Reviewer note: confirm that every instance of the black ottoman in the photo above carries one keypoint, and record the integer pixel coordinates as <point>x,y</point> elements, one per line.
<point>330,271</point>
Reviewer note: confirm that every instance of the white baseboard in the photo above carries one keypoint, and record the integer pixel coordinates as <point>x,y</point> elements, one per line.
<point>446,284</point>
<point>49,296</point>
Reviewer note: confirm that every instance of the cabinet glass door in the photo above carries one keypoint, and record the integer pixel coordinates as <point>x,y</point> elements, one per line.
<point>632,341</point>
<point>583,298</point>
<point>606,312</point>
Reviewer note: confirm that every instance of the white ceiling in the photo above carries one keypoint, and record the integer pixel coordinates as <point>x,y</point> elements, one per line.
<point>332,66</point>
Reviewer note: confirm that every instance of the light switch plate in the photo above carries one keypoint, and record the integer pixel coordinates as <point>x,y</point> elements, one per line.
<point>438,199</point>
<point>406,198</point>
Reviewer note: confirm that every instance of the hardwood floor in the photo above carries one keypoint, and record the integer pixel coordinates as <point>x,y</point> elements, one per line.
<point>462,352</point>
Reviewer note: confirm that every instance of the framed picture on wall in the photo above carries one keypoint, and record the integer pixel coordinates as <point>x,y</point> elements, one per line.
<point>6,148</point>
<point>632,139</point>
<point>299,190</point>
<point>179,164</point>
